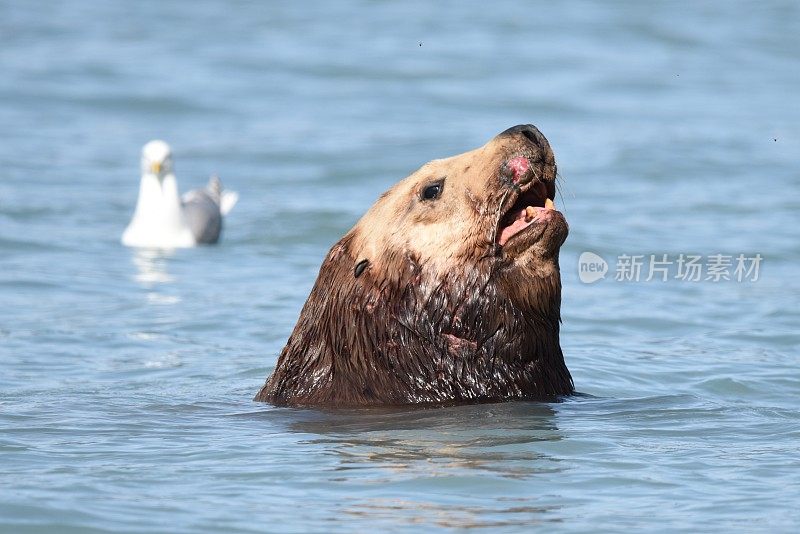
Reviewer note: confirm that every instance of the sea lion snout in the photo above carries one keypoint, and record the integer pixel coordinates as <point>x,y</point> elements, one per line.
<point>529,132</point>
<point>527,157</point>
<point>519,168</point>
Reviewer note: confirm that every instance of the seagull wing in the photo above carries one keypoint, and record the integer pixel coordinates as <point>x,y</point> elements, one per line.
<point>201,212</point>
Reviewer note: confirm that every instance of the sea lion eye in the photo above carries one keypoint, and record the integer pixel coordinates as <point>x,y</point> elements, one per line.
<point>433,191</point>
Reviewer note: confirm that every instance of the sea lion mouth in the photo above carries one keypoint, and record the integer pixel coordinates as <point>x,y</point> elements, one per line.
<point>531,205</point>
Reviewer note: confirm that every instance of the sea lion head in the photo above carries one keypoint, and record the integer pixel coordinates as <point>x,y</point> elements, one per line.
<point>492,205</point>
<point>446,290</point>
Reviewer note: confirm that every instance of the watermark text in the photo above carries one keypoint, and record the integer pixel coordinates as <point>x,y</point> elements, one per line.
<point>664,267</point>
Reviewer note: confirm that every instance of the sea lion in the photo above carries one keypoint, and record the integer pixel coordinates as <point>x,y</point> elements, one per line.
<point>446,291</point>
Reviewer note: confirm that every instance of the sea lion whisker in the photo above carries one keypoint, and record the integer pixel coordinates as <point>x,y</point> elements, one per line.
<point>559,189</point>
<point>499,215</point>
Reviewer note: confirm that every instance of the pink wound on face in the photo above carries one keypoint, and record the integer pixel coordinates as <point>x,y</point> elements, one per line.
<point>519,166</point>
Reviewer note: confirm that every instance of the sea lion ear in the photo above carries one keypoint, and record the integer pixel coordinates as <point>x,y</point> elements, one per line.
<point>360,266</point>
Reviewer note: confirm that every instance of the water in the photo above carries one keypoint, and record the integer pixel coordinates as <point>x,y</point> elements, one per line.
<point>126,378</point>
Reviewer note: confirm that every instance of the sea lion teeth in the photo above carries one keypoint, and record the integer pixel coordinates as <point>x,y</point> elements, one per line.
<point>530,213</point>
<point>548,204</point>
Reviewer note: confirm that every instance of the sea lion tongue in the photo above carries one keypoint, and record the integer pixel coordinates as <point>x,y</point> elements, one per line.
<point>522,219</point>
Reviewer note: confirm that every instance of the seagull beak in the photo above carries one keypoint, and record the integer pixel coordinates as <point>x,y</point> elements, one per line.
<point>155,168</point>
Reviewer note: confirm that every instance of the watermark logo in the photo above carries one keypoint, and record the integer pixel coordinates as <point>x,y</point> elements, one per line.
<point>591,268</point>
<point>664,267</point>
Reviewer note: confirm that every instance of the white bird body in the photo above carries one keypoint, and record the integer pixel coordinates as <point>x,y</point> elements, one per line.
<point>162,218</point>
<point>158,220</point>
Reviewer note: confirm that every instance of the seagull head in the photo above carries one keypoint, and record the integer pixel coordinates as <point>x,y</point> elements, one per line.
<point>157,159</point>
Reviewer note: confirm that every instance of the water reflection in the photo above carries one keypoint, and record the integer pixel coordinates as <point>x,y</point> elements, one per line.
<point>413,465</point>
<point>490,437</point>
<point>151,266</point>
<point>514,512</point>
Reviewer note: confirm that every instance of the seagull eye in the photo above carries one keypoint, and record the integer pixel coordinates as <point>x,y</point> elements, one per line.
<point>432,191</point>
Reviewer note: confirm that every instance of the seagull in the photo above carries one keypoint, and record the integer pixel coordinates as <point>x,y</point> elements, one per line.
<point>163,219</point>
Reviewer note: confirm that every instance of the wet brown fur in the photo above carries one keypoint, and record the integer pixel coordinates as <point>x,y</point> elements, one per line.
<point>440,314</point>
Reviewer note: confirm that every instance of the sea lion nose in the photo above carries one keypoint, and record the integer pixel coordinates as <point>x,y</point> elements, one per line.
<point>528,131</point>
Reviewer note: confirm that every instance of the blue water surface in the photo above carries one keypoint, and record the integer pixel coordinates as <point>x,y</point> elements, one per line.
<point>126,377</point>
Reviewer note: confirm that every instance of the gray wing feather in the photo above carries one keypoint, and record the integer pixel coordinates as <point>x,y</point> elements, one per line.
<point>202,215</point>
